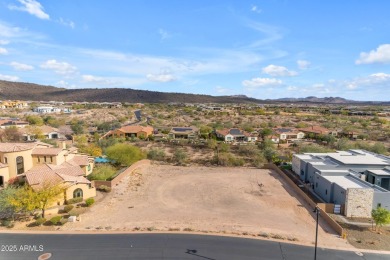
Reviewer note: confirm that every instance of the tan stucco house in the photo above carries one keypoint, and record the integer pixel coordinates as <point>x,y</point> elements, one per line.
<point>130,131</point>
<point>38,163</point>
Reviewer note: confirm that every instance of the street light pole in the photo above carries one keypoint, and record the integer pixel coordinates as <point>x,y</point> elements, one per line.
<point>317,211</point>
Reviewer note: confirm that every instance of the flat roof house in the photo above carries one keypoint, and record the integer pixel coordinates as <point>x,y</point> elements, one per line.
<point>350,178</point>
<point>183,133</point>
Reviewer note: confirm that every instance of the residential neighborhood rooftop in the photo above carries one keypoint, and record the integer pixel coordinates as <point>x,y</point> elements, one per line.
<point>347,181</point>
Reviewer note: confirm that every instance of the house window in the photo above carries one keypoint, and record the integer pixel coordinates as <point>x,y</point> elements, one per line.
<point>326,192</point>
<point>379,205</point>
<point>51,158</point>
<point>44,158</point>
<point>78,193</point>
<point>39,159</point>
<point>19,165</point>
<point>5,160</point>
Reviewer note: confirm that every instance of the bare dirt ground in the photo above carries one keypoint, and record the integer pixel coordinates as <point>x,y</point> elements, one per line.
<point>205,199</point>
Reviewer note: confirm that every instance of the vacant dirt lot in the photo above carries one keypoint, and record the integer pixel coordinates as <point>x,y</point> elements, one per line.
<point>221,200</point>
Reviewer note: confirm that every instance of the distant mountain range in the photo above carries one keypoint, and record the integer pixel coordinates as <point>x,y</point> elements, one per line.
<point>34,92</point>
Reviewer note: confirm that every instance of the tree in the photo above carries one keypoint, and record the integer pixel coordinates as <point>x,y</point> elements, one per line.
<point>23,201</point>
<point>10,134</point>
<point>265,132</point>
<point>125,154</point>
<point>91,149</point>
<point>36,132</point>
<point>47,195</point>
<point>34,120</point>
<point>77,127</point>
<point>7,210</point>
<point>269,153</point>
<point>205,131</point>
<point>381,217</point>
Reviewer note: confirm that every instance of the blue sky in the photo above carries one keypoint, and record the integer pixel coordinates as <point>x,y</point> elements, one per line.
<point>262,49</point>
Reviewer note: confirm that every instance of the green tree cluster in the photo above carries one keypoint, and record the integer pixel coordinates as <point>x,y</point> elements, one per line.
<point>125,154</point>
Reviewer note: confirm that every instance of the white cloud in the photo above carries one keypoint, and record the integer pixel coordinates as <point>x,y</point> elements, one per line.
<point>261,82</point>
<point>97,80</point>
<point>255,9</point>
<point>21,66</point>
<point>271,34</point>
<point>32,7</point>
<point>278,71</point>
<point>59,67</point>
<point>292,88</point>
<point>380,55</point>
<point>68,23</point>
<point>163,34</point>
<point>161,77</point>
<point>65,84</point>
<point>4,42</point>
<point>8,77</point>
<point>376,80</point>
<point>303,64</point>
<point>3,51</point>
<point>222,90</point>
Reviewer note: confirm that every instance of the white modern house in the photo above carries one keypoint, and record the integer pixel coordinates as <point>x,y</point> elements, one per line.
<point>50,109</point>
<point>344,178</point>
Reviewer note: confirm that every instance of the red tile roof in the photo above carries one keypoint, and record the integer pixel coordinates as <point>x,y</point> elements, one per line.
<point>46,151</point>
<point>16,147</point>
<point>54,174</point>
<point>79,160</point>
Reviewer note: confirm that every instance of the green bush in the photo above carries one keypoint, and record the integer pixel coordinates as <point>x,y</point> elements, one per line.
<point>104,188</point>
<point>228,159</point>
<point>89,202</point>
<point>156,155</point>
<point>73,201</point>
<point>102,173</point>
<point>7,223</point>
<point>55,220</point>
<point>39,221</point>
<point>68,208</point>
<point>125,154</point>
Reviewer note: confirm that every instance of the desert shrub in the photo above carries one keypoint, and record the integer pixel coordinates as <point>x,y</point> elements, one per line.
<point>55,220</point>
<point>74,200</point>
<point>104,188</point>
<point>89,202</point>
<point>259,161</point>
<point>63,221</point>
<point>228,159</point>
<point>102,173</point>
<point>7,223</point>
<point>68,208</point>
<point>179,156</point>
<point>248,150</point>
<point>38,222</point>
<point>156,155</point>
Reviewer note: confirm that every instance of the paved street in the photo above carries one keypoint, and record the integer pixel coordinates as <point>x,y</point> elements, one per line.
<point>160,246</point>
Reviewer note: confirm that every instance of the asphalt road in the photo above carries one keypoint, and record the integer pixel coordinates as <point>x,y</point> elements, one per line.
<point>160,246</point>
